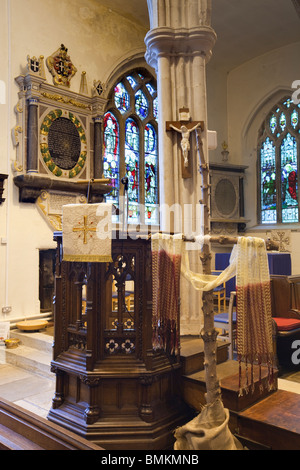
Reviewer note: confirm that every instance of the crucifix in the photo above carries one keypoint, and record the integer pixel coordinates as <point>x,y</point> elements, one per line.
<point>185,126</point>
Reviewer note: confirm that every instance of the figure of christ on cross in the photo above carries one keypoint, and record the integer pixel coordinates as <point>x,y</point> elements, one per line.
<point>185,131</point>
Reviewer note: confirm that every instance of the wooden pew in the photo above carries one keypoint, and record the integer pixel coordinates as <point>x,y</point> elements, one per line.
<point>22,430</point>
<point>285,302</point>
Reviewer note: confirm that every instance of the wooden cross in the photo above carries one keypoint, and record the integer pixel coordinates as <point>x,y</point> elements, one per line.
<point>185,126</point>
<point>85,229</point>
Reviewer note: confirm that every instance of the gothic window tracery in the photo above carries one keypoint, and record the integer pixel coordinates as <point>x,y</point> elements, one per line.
<point>131,146</point>
<point>278,157</point>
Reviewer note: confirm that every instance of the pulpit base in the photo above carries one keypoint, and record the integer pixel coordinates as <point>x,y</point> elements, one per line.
<point>120,405</point>
<point>125,433</point>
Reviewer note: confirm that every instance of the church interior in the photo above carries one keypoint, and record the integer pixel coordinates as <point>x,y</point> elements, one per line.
<point>149,225</point>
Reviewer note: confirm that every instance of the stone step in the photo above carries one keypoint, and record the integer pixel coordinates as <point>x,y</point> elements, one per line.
<point>192,354</point>
<point>194,387</point>
<point>36,340</point>
<point>30,359</point>
<point>34,353</point>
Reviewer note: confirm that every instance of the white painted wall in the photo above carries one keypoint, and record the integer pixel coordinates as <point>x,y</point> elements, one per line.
<point>97,40</point>
<point>217,107</point>
<point>252,90</point>
<point>4,142</point>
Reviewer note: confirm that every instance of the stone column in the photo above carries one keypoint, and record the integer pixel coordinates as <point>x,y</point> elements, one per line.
<point>178,46</point>
<point>98,164</point>
<point>32,136</point>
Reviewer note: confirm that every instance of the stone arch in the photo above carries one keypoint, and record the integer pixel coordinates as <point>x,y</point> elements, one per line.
<point>250,133</point>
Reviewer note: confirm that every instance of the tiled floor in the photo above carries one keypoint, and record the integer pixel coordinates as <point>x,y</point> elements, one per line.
<point>26,389</point>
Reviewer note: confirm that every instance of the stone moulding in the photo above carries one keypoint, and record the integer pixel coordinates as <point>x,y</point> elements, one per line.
<point>31,187</point>
<point>183,41</point>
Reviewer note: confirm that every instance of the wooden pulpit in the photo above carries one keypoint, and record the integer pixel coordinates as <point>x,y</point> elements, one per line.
<point>112,386</point>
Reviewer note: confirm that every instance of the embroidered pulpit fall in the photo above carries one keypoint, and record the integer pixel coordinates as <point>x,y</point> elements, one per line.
<point>87,232</point>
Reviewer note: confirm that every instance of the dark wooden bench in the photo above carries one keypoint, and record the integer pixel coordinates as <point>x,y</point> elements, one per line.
<point>285,301</point>
<point>22,430</point>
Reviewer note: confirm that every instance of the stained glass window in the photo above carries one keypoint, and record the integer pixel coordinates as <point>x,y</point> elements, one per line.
<point>273,123</point>
<point>132,81</point>
<point>150,89</point>
<point>268,182</point>
<point>111,158</point>
<point>287,103</point>
<point>131,146</point>
<point>121,98</point>
<point>141,105</point>
<point>294,119</point>
<point>289,169</point>
<point>155,108</point>
<point>282,121</point>
<point>151,183</point>
<point>278,156</point>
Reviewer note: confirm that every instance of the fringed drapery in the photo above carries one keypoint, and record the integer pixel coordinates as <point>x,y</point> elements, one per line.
<point>206,282</point>
<point>249,263</point>
<point>254,316</point>
<point>166,265</point>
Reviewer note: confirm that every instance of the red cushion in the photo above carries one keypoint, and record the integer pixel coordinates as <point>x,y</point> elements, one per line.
<point>287,324</point>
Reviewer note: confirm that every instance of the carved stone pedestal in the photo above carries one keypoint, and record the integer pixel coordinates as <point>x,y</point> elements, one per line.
<point>112,387</point>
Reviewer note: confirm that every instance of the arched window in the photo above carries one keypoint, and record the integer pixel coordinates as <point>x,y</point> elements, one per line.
<point>131,147</point>
<point>278,157</point>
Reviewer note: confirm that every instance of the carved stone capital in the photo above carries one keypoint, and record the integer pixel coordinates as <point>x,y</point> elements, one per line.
<point>179,28</point>
<point>165,41</point>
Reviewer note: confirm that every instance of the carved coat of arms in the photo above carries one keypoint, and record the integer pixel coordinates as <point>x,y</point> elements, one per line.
<point>35,66</point>
<point>61,67</point>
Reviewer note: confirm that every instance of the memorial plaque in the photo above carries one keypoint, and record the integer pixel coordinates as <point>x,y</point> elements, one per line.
<point>64,143</point>
<point>225,197</point>
<point>51,203</point>
<point>56,201</point>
